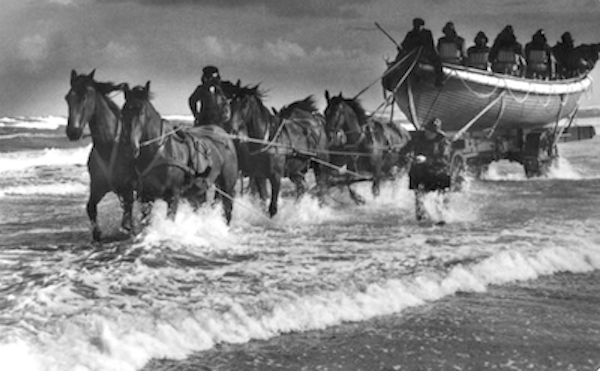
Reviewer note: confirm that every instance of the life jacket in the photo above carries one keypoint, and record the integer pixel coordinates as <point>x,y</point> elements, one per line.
<point>537,61</point>
<point>478,59</point>
<point>449,52</point>
<point>506,62</point>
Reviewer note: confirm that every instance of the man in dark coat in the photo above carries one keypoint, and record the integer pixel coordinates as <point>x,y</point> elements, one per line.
<point>540,61</point>
<point>506,45</point>
<point>210,77</point>
<point>451,47</point>
<point>563,51</point>
<point>430,170</point>
<point>478,54</point>
<point>419,36</point>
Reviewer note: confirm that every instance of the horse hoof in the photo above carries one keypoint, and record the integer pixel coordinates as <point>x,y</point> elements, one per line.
<point>96,235</point>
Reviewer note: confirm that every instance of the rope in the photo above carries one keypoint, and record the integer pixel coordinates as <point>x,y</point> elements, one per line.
<point>340,169</point>
<point>389,70</point>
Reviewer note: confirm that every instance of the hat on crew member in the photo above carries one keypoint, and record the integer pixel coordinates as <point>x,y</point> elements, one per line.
<point>210,73</point>
<point>434,125</point>
<point>418,22</point>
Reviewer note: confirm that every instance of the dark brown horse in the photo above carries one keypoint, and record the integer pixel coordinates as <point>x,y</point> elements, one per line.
<point>111,161</point>
<point>172,163</point>
<point>283,145</point>
<point>373,147</point>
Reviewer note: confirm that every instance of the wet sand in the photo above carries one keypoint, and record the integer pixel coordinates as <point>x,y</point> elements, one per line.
<point>549,324</point>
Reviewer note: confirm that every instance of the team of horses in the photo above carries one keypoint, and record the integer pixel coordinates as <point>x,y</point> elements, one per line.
<point>138,154</point>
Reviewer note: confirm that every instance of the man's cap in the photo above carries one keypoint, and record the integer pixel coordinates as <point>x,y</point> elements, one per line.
<point>434,125</point>
<point>449,27</point>
<point>418,22</point>
<point>210,72</point>
<point>566,37</point>
<point>481,36</point>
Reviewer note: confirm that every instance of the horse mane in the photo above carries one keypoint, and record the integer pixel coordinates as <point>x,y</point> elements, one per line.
<point>139,92</point>
<point>247,91</point>
<point>354,104</point>
<point>307,104</point>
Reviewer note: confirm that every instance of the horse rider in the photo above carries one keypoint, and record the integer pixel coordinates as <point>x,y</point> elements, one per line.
<point>451,47</point>
<point>420,37</point>
<point>506,54</point>
<point>430,169</point>
<point>210,77</point>
<point>478,54</point>
<point>562,53</point>
<point>540,61</point>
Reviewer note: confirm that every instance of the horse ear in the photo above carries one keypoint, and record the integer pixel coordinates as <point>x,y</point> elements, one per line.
<point>147,86</point>
<point>327,95</point>
<point>238,83</point>
<point>73,75</point>
<point>91,75</point>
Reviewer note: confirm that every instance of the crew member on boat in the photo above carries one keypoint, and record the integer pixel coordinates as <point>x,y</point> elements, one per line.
<point>451,47</point>
<point>506,54</point>
<point>540,62</point>
<point>430,168</point>
<point>418,37</point>
<point>478,54</point>
<point>563,51</point>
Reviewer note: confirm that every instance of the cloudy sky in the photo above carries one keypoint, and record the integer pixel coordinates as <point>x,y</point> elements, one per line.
<point>293,48</point>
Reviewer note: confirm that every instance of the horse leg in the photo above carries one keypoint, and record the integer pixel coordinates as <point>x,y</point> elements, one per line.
<point>92,211</point>
<point>358,199</point>
<point>298,180</point>
<point>275,187</point>
<point>127,201</point>
<point>172,205</point>
<point>146,210</point>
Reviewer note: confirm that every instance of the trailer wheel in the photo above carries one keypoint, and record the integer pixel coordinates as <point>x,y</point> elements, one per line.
<point>458,171</point>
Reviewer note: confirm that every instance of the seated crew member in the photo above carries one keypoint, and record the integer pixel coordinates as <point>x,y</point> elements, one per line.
<point>539,57</point>
<point>419,36</point>
<point>563,51</point>
<point>506,54</point>
<point>430,169</point>
<point>478,54</point>
<point>210,76</point>
<point>451,47</point>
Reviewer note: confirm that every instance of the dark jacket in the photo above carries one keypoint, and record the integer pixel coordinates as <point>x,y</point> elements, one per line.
<point>434,172</point>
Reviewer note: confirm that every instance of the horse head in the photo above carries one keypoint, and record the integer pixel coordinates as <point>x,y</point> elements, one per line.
<point>249,116</point>
<point>137,111</point>
<point>81,100</point>
<point>343,120</point>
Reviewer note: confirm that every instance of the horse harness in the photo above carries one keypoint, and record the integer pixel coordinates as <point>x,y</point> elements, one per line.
<point>198,151</point>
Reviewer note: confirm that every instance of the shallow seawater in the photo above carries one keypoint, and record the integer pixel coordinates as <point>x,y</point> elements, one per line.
<point>193,290</point>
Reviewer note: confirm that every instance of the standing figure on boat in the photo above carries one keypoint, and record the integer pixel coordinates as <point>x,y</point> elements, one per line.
<point>430,170</point>
<point>538,54</point>
<point>451,47</point>
<point>562,53</point>
<point>420,37</point>
<point>478,55</point>
<point>506,55</point>
<point>211,78</point>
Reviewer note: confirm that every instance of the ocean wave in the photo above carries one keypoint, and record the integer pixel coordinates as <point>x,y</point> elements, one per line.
<point>18,161</point>
<point>31,122</point>
<point>126,338</point>
<point>45,190</point>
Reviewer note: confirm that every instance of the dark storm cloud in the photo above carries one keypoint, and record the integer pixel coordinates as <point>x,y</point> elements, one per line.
<point>284,8</point>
